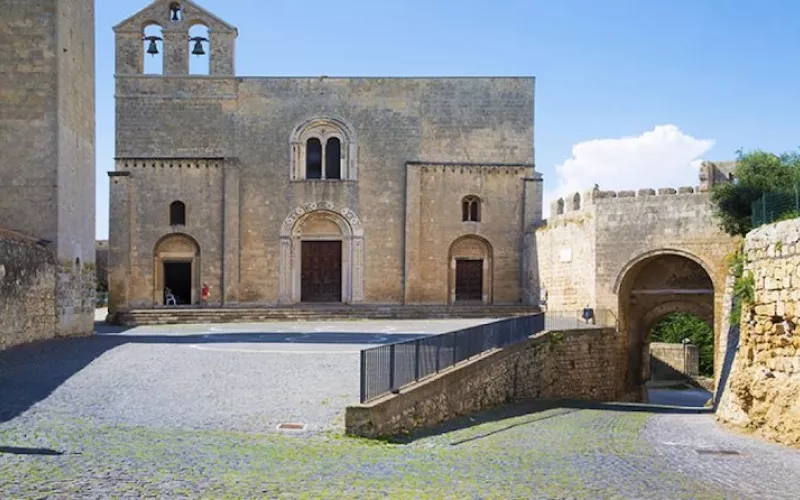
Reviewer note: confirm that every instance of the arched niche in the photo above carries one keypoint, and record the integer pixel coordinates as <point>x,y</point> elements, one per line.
<point>470,265</point>
<point>320,244</point>
<point>649,288</point>
<point>176,265</point>
<point>199,49</point>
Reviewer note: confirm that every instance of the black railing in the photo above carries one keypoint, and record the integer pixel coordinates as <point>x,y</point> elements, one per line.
<point>389,367</point>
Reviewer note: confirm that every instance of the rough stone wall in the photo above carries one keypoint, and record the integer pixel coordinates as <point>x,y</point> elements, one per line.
<point>434,224</point>
<point>762,393</point>
<point>673,361</point>
<point>47,138</point>
<point>27,291</point>
<point>29,117</point>
<point>556,365</point>
<point>251,120</point>
<point>565,246</point>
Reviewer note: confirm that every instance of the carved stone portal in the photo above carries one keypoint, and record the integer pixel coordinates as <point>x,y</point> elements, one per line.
<point>321,221</point>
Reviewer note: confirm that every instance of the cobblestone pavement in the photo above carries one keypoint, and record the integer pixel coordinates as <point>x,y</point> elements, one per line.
<point>154,417</point>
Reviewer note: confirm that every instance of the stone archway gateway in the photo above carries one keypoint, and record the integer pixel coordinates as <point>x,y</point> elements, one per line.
<point>650,288</point>
<point>321,256</point>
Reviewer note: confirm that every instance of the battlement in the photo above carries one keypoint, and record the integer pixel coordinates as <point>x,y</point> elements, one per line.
<point>577,202</point>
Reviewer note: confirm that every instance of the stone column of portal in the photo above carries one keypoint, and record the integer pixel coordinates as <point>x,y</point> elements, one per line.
<point>230,233</point>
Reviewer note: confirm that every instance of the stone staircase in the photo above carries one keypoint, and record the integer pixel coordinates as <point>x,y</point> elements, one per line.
<point>186,315</point>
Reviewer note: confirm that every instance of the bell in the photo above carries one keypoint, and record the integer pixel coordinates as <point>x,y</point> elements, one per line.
<point>175,11</point>
<point>152,49</point>
<point>198,48</point>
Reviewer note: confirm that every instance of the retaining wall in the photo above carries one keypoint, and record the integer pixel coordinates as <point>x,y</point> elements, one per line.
<point>577,364</point>
<point>762,392</point>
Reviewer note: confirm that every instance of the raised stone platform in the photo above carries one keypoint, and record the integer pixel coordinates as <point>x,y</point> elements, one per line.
<point>181,315</point>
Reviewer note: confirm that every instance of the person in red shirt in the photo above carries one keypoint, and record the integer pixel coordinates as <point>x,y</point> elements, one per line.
<point>204,294</point>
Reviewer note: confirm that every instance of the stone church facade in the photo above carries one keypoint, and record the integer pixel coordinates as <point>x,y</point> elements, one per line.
<point>280,191</point>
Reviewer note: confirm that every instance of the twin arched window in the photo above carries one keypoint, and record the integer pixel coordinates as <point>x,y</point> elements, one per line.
<point>177,213</point>
<point>471,209</point>
<point>324,149</point>
<point>324,163</point>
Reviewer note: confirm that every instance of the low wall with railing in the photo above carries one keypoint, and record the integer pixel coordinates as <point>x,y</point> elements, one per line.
<point>573,364</point>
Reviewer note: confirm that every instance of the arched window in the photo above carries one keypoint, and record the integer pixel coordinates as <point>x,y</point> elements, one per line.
<point>471,209</point>
<point>199,50</point>
<point>177,214</point>
<point>323,149</point>
<point>560,206</point>
<point>314,159</point>
<point>153,46</point>
<point>333,158</point>
<point>175,12</point>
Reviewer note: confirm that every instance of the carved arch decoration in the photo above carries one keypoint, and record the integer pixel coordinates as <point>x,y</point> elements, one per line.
<point>175,247</point>
<point>324,129</point>
<point>314,221</point>
<point>471,247</point>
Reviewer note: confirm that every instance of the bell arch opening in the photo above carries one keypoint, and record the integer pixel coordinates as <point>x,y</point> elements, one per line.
<point>651,289</point>
<point>176,267</point>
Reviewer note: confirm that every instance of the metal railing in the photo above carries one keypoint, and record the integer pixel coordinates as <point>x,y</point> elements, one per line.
<point>387,368</point>
<point>772,207</point>
<point>574,319</point>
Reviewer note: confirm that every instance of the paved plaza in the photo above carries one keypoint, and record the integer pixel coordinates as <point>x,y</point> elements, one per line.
<point>193,411</point>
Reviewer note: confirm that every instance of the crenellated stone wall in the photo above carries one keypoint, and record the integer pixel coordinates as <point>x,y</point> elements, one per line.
<point>762,393</point>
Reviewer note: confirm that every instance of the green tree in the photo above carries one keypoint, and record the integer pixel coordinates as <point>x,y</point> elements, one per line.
<point>678,326</point>
<point>756,172</point>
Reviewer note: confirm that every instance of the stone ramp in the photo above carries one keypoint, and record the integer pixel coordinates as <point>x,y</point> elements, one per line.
<point>187,315</point>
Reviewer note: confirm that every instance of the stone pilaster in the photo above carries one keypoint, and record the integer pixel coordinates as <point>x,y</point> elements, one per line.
<point>230,233</point>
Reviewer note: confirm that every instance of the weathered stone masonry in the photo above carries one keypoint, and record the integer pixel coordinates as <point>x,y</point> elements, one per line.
<point>235,151</point>
<point>47,135</point>
<point>763,389</point>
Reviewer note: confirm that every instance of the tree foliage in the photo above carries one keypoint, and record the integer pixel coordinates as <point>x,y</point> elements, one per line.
<point>678,326</point>
<point>756,173</point>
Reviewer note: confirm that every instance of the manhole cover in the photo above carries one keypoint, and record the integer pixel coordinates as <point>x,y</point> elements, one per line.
<point>291,427</point>
<point>702,451</point>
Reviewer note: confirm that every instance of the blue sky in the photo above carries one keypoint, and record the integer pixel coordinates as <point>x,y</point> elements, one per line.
<point>629,93</point>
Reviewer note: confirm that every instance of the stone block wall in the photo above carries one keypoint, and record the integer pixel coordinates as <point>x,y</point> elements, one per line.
<point>762,393</point>
<point>673,361</point>
<point>578,364</point>
<point>27,291</point>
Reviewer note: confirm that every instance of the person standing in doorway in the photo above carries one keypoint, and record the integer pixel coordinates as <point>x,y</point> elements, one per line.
<point>204,294</point>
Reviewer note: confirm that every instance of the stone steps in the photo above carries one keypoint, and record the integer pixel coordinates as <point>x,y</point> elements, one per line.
<point>162,316</point>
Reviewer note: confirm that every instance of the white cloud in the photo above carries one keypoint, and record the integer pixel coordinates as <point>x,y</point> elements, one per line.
<point>662,157</point>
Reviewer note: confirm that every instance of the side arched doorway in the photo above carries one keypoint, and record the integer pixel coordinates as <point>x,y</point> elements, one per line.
<point>177,267</point>
<point>651,288</point>
<point>470,277</point>
<point>322,252</point>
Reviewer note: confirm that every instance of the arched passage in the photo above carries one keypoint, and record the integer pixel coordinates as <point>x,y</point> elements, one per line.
<point>177,267</point>
<point>470,270</point>
<point>322,256</point>
<point>651,288</point>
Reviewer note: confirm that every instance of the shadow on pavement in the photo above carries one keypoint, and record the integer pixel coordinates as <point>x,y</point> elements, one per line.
<point>535,409</point>
<point>30,373</point>
<point>13,450</point>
